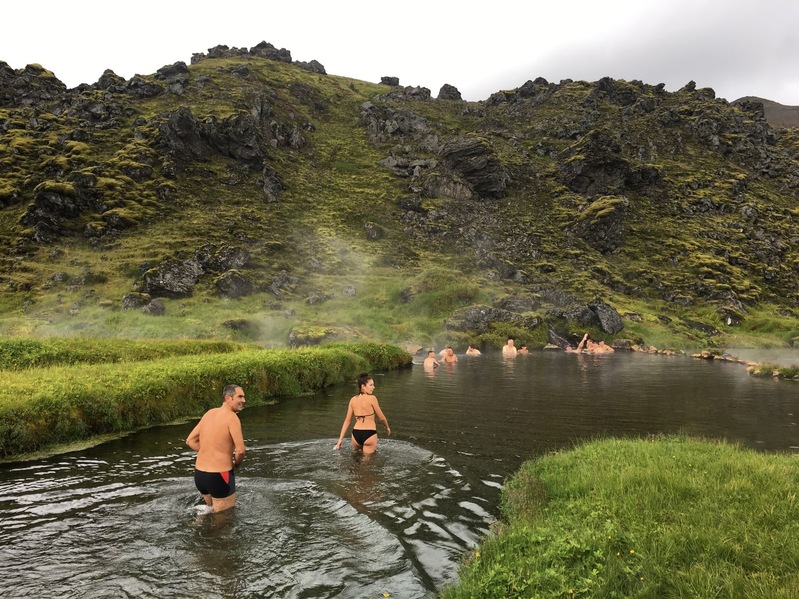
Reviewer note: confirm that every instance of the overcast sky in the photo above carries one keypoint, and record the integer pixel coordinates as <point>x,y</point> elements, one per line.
<point>737,47</point>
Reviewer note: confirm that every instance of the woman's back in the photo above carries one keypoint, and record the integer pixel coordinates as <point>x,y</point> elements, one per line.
<point>363,409</point>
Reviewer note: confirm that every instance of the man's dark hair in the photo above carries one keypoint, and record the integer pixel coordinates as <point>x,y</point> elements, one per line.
<point>229,390</point>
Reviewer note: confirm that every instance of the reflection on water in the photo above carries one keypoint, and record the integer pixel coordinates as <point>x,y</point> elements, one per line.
<point>124,520</point>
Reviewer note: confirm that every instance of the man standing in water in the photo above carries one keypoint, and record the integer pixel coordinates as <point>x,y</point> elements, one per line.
<point>219,444</point>
<point>508,350</point>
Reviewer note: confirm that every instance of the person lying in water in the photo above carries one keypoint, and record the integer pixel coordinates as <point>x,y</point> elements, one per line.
<point>364,409</point>
<point>587,346</point>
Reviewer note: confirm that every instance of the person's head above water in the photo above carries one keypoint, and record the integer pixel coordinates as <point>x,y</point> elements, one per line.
<point>363,380</point>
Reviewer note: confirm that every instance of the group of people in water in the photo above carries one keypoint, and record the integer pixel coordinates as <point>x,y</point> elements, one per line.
<point>219,441</point>
<point>588,346</point>
<point>447,355</point>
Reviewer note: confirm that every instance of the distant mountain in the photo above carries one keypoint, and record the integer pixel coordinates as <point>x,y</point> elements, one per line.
<point>778,115</point>
<point>250,196</point>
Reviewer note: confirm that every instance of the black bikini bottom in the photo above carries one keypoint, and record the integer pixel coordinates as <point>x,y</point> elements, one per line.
<point>361,435</point>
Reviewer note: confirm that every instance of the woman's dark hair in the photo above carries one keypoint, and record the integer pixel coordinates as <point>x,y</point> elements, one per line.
<point>363,378</point>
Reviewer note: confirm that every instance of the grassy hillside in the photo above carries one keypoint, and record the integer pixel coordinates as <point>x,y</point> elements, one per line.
<point>309,207</point>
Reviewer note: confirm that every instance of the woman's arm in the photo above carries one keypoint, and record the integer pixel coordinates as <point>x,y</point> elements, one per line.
<point>381,416</point>
<point>345,426</point>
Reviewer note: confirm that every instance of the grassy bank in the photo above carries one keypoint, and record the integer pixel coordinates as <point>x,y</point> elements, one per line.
<point>643,518</point>
<point>28,353</point>
<point>45,407</point>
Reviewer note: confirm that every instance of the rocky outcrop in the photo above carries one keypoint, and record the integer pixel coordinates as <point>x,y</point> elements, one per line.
<point>595,165</point>
<point>31,86</point>
<point>601,223</point>
<point>184,138</point>
<point>385,123</point>
<point>473,159</point>
<point>261,50</point>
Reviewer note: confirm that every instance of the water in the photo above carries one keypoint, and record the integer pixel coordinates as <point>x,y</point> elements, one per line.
<point>123,520</point>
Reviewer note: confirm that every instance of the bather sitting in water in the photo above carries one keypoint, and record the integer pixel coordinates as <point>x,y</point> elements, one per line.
<point>364,408</point>
<point>430,361</point>
<point>449,355</point>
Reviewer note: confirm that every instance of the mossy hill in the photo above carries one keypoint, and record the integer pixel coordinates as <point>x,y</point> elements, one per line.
<point>250,197</point>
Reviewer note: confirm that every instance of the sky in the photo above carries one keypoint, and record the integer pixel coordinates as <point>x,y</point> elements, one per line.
<point>737,47</point>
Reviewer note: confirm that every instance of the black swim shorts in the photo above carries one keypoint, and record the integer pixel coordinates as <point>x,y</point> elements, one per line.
<point>216,484</point>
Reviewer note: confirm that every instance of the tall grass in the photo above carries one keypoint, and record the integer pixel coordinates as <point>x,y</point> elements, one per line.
<point>43,407</point>
<point>18,353</point>
<point>643,518</point>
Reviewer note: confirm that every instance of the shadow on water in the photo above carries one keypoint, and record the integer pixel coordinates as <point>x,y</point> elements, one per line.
<point>123,519</point>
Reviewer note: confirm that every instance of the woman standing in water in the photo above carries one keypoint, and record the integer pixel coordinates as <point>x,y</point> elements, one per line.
<point>364,408</point>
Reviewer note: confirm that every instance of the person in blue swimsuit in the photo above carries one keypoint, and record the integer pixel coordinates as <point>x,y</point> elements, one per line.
<point>364,409</point>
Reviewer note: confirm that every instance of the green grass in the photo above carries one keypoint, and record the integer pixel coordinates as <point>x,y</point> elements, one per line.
<point>44,407</point>
<point>22,353</point>
<point>668,517</point>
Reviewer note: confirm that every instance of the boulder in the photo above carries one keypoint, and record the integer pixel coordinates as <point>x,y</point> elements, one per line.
<point>155,307</point>
<point>174,73</point>
<point>173,278</point>
<point>267,50</point>
<point>135,300</point>
<point>281,283</point>
<point>140,87</point>
<point>449,92</point>
<point>609,319</point>
<point>314,67</point>
<point>233,284</point>
<point>222,258</point>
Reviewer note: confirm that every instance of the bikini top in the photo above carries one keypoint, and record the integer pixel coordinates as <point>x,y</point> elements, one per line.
<point>365,416</point>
